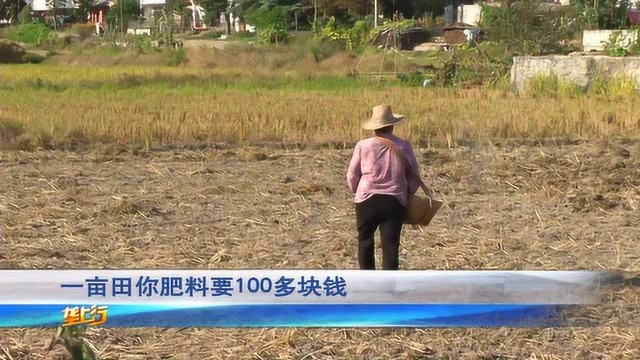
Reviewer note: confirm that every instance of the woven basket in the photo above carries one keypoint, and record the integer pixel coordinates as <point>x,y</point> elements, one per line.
<point>421,210</point>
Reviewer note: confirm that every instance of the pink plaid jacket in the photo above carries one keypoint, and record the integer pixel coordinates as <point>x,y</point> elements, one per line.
<point>375,169</point>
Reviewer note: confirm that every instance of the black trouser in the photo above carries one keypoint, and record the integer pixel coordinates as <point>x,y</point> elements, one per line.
<point>386,212</point>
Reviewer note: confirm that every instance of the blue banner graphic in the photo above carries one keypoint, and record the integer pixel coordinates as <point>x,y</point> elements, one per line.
<point>297,315</point>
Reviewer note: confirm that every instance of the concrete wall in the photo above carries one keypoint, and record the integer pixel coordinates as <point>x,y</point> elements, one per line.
<point>580,70</point>
<point>470,14</point>
<point>595,40</point>
<point>144,3</point>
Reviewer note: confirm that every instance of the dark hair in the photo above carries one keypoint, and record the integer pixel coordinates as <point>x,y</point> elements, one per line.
<point>385,130</point>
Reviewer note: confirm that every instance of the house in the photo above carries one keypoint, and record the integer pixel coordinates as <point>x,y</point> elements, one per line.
<point>96,16</point>
<point>98,13</point>
<point>40,6</point>
<point>471,14</point>
<point>236,23</point>
<point>196,21</point>
<point>45,9</point>
<point>148,7</point>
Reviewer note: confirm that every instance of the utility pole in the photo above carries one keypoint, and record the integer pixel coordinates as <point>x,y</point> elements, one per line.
<point>120,4</point>
<point>375,13</point>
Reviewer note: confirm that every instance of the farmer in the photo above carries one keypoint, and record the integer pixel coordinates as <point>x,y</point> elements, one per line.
<point>379,180</point>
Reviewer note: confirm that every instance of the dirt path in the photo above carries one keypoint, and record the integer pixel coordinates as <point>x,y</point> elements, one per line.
<point>215,44</point>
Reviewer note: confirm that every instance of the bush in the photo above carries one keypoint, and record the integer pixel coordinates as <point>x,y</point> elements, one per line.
<point>212,35</point>
<point>319,49</point>
<point>604,14</point>
<point>33,34</point>
<point>83,30</point>
<point>550,86</point>
<point>528,27</point>
<point>176,57</point>
<point>354,38</point>
<point>32,58</point>
<point>272,23</point>
<point>244,35</point>
<point>412,79</point>
<point>25,15</point>
<point>10,129</point>
<point>130,11</point>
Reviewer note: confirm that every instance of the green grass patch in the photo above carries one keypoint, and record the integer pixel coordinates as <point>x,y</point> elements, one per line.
<point>32,34</point>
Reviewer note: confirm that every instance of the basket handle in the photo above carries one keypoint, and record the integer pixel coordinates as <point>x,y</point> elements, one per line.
<point>404,160</point>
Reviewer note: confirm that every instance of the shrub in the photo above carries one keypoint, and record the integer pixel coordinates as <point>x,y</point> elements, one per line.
<point>322,49</point>
<point>212,35</point>
<point>412,79</point>
<point>528,27</point>
<point>129,10</point>
<point>604,14</point>
<point>615,86</point>
<point>25,15</point>
<point>83,30</point>
<point>10,129</point>
<point>552,86</point>
<point>32,58</point>
<point>74,340</point>
<point>176,57</point>
<point>272,23</point>
<point>354,38</point>
<point>244,35</point>
<point>33,34</point>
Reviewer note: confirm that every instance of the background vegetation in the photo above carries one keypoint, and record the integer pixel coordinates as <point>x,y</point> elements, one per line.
<point>280,89</point>
<point>151,106</point>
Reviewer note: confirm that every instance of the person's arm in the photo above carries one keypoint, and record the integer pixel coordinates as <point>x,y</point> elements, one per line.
<point>354,173</point>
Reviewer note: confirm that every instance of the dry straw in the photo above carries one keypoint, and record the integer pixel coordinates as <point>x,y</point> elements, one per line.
<point>518,206</point>
<point>52,107</point>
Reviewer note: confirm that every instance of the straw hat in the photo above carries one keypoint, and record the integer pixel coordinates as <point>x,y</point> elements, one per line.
<point>382,117</point>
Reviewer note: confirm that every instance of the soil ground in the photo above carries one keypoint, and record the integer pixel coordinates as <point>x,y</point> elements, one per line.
<point>512,206</point>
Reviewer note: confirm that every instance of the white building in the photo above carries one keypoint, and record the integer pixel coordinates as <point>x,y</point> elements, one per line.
<point>149,6</point>
<point>44,5</point>
<point>472,14</point>
<point>236,24</point>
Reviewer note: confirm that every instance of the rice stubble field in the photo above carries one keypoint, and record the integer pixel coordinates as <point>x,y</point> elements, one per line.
<point>130,203</point>
<point>517,207</point>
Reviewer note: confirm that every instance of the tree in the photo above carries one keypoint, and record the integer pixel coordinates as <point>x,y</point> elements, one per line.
<point>83,9</point>
<point>528,27</point>
<point>122,12</point>
<point>351,7</point>
<point>10,9</point>
<point>263,10</point>
<point>170,6</point>
<point>25,15</point>
<point>421,7</point>
<point>413,8</point>
<point>54,5</point>
<point>272,23</point>
<point>605,14</point>
<point>213,9</point>
<point>242,7</point>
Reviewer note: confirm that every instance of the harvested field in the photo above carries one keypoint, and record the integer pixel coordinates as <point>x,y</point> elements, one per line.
<point>58,107</point>
<point>512,206</point>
